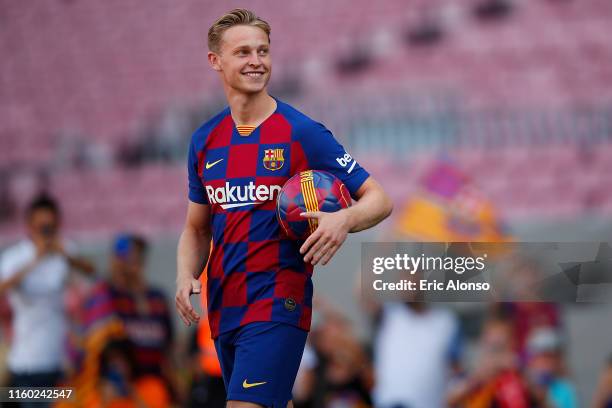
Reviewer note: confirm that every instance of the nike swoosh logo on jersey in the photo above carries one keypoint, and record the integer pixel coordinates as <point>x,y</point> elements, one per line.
<point>209,165</point>
<point>245,384</point>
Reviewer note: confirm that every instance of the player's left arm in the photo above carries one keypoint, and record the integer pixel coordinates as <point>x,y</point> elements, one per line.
<point>373,205</point>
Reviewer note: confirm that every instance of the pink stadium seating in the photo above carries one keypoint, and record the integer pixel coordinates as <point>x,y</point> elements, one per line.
<point>99,71</point>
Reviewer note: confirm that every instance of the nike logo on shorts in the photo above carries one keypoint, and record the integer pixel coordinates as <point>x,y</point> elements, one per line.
<point>245,384</point>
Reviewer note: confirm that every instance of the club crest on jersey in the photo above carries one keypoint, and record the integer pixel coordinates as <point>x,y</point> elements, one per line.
<point>273,159</point>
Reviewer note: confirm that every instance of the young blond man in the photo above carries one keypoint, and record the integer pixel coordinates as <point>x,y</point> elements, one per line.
<point>259,282</point>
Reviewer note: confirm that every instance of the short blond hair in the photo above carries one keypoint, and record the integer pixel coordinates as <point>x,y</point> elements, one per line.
<point>233,18</point>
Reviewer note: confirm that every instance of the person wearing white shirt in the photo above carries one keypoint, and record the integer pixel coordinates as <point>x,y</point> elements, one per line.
<point>34,273</point>
<point>416,351</point>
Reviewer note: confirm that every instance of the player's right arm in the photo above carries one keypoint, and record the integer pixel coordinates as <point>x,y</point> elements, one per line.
<point>192,255</point>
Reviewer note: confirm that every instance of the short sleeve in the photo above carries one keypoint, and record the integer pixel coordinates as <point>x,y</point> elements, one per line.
<point>197,194</point>
<point>4,268</point>
<point>325,153</point>
<point>9,264</point>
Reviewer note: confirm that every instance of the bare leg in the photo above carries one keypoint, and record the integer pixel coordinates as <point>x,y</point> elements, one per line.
<point>242,404</point>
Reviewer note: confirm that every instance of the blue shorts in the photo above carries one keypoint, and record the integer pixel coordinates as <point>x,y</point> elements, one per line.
<point>259,362</point>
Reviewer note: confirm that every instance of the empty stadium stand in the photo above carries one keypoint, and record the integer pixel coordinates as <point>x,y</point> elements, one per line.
<point>83,79</point>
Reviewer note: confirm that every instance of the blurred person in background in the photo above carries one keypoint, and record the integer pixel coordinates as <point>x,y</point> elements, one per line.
<point>527,313</point>
<point>417,349</point>
<point>126,306</point>
<point>603,392</point>
<point>35,273</point>
<point>335,371</point>
<point>495,380</point>
<point>119,385</point>
<point>527,317</point>
<point>545,371</point>
<point>5,335</point>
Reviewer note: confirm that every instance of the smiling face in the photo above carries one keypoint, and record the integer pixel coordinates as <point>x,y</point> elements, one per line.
<point>243,59</point>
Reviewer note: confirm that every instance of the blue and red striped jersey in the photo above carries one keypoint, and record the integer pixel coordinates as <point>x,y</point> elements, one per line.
<point>147,323</point>
<point>255,273</point>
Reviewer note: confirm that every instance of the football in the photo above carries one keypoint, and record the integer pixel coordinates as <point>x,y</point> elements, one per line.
<point>309,190</point>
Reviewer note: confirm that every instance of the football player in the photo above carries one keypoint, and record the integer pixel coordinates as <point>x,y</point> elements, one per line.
<point>259,282</point>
